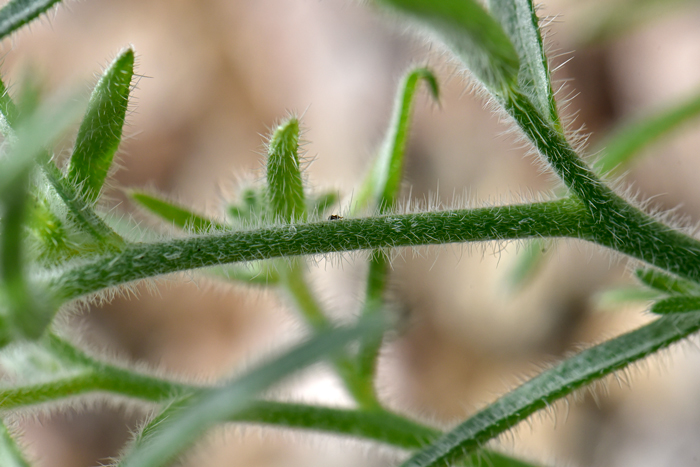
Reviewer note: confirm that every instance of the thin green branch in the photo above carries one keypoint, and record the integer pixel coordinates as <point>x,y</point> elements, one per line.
<point>216,405</point>
<point>541,391</point>
<point>82,374</point>
<point>628,141</point>
<point>615,223</point>
<point>563,218</point>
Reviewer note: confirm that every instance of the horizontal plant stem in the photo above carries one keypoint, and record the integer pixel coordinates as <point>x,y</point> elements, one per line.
<point>561,218</point>
<point>114,381</point>
<point>563,379</point>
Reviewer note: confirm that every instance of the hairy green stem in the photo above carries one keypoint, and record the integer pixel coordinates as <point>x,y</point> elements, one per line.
<point>562,218</point>
<point>615,223</point>
<point>538,393</point>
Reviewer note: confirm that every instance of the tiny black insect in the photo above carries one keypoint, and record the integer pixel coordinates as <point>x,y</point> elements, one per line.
<point>334,217</point>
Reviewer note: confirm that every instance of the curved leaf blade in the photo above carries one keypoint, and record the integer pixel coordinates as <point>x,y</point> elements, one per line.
<point>382,186</point>
<point>624,144</point>
<point>10,453</point>
<point>678,304</point>
<point>174,214</point>
<point>220,404</point>
<point>520,22</point>
<point>563,379</point>
<point>473,34</point>
<point>666,283</point>
<point>100,132</point>
<point>17,13</point>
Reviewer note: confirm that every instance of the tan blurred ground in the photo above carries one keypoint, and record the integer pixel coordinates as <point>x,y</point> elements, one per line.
<point>217,73</point>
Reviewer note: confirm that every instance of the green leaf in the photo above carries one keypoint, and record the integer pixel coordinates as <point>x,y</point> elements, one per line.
<point>472,34</point>
<point>666,283</point>
<point>17,13</point>
<point>216,405</point>
<point>8,112</point>
<point>101,129</point>
<point>251,208</point>
<point>541,391</point>
<point>625,143</point>
<point>10,453</point>
<point>529,260</point>
<point>285,187</point>
<point>383,184</point>
<point>622,296</point>
<point>677,304</point>
<point>174,214</point>
<point>520,22</point>
<point>81,212</point>
<point>30,307</point>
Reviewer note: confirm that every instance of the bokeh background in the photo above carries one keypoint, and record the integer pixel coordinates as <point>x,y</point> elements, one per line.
<point>215,75</point>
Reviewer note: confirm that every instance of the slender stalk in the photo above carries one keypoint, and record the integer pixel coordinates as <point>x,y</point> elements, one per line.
<point>615,223</point>
<point>563,379</point>
<point>562,218</point>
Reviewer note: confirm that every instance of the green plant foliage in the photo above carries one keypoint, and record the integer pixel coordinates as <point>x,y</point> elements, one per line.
<point>520,22</point>
<point>219,404</point>
<point>626,143</point>
<point>56,247</point>
<point>17,13</point>
<point>174,214</point>
<point>474,35</point>
<point>678,304</point>
<point>10,454</point>
<point>563,379</point>
<point>101,130</point>
<point>285,187</point>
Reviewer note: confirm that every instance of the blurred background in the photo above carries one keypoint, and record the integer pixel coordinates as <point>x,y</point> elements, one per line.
<point>215,75</point>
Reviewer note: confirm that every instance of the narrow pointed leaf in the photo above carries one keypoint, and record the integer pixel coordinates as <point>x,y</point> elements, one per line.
<point>473,34</point>
<point>520,22</point>
<point>101,130</point>
<point>622,296</point>
<point>626,143</point>
<point>8,112</point>
<point>80,210</point>
<point>541,391</point>
<point>678,304</point>
<point>664,282</point>
<point>220,404</point>
<point>383,184</point>
<point>285,187</point>
<point>17,13</point>
<point>10,453</point>
<point>174,214</point>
